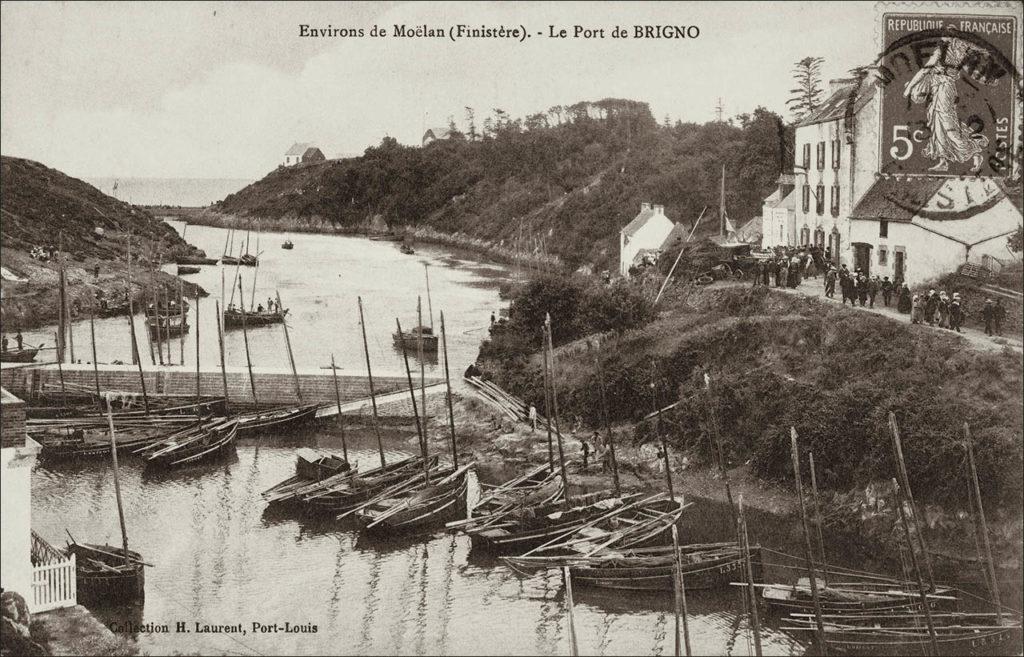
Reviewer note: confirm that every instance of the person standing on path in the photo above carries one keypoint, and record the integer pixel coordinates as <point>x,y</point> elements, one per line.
<point>886,291</point>
<point>904,303</point>
<point>988,315</point>
<point>874,285</point>
<point>956,313</point>
<point>765,271</point>
<point>1000,314</point>
<point>20,340</point>
<point>533,417</point>
<point>862,289</point>
<point>915,310</point>
<point>3,344</point>
<point>931,305</point>
<point>943,310</point>
<point>586,452</point>
<point>830,283</point>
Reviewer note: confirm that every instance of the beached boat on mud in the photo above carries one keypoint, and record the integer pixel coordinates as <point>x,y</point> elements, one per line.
<point>185,270</point>
<point>104,576</point>
<point>194,260</point>
<point>247,260</point>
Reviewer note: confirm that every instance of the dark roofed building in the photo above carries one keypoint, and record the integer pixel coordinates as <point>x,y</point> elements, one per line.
<point>303,153</point>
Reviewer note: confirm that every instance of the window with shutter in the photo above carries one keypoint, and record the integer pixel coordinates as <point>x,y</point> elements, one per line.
<point>821,156</point>
<point>820,199</point>
<point>835,200</point>
<point>807,156</point>
<point>836,150</point>
<point>806,193</point>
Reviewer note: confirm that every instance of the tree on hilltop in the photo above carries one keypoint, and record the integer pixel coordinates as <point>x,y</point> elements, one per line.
<point>806,97</point>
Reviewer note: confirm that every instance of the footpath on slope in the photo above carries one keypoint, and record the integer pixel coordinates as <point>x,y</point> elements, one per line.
<point>815,288</point>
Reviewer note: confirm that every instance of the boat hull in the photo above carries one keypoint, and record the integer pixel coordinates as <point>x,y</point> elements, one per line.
<point>703,575</point>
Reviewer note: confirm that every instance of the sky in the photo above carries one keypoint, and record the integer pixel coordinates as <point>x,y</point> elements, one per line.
<point>221,90</point>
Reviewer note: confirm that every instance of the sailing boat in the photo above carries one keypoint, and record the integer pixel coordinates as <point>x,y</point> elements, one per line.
<point>425,334</point>
<point>106,574</point>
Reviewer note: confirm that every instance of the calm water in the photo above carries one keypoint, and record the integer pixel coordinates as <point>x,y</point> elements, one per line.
<point>319,281</point>
<point>221,558</point>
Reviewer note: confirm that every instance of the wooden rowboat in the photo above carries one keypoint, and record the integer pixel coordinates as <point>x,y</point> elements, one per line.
<point>847,597</point>
<point>247,260</point>
<point>288,245</point>
<point>539,485</point>
<point>184,270</point>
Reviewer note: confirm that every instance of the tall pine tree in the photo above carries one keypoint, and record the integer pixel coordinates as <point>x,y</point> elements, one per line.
<point>806,97</point>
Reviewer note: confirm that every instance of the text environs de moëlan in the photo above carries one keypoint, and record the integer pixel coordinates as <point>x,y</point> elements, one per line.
<point>516,32</point>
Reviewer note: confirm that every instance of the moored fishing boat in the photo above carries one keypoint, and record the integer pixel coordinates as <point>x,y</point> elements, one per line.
<point>192,445</point>
<point>634,524</point>
<point>233,318</point>
<point>281,419</point>
<point>421,507</point>
<point>410,340</point>
<point>530,527</point>
<point>704,566</point>
<point>288,245</point>
<point>194,260</point>
<point>907,633</point>
<point>104,576</point>
<point>23,355</point>
<point>539,485</point>
<point>853,596</point>
<point>344,490</point>
<point>184,270</point>
<point>315,464</point>
<point>246,260</point>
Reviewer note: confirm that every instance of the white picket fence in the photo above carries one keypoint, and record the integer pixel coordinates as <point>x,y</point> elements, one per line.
<point>54,586</point>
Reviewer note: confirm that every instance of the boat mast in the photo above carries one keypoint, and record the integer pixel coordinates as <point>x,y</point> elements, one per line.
<point>291,357</point>
<point>547,405</point>
<point>818,520</point>
<point>154,322</point>
<point>369,376</point>
<point>419,347</point>
<point>60,371</point>
<point>245,337</point>
<point>748,570</point>
<point>92,335</point>
<point>181,323</point>
<point>608,429</point>
<point>554,406</point>
<point>901,465</point>
<point>661,435</point>
<point>917,569</point>
<point>198,379</point>
<point>430,306</point>
<point>220,346</point>
<point>117,481</point>
<point>415,413</point>
<point>341,418</point>
<point>808,555</point>
<point>131,327</point>
<point>717,436</point>
<point>680,591</point>
<point>448,385</point>
<point>984,525</point>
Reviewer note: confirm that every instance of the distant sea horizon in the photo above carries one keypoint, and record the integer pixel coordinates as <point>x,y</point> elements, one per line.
<point>187,192</point>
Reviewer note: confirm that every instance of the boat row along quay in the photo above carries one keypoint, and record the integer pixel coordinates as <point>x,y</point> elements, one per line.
<point>34,382</point>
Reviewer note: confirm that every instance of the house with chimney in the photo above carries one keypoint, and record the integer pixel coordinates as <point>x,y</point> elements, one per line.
<point>645,236</point>
<point>435,134</point>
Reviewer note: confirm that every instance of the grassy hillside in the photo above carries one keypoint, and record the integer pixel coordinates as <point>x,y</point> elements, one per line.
<point>778,361</point>
<point>40,205</point>
<point>562,186</point>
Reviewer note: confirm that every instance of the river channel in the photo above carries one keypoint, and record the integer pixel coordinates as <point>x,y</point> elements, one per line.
<point>220,558</point>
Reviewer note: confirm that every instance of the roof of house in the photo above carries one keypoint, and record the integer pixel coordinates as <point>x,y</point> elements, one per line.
<point>774,201</point>
<point>836,105</point>
<point>311,150</point>
<point>897,199</point>
<point>439,133</point>
<point>298,149</point>
<point>639,220</point>
<point>678,232</point>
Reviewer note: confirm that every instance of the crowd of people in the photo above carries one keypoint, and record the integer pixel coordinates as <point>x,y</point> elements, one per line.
<point>787,267</point>
<point>43,253</point>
